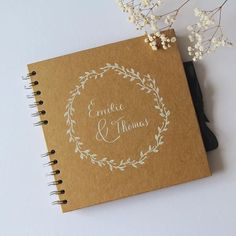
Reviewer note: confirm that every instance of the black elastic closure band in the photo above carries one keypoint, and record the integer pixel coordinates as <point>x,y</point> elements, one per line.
<point>209,139</point>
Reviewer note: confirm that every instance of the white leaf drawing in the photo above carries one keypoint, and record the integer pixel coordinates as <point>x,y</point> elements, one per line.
<point>146,84</point>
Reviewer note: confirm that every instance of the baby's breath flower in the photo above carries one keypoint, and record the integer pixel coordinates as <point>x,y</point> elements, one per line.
<point>173,39</point>
<point>206,35</point>
<point>144,14</point>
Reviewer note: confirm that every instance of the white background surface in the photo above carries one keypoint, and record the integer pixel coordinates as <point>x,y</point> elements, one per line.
<point>35,30</point>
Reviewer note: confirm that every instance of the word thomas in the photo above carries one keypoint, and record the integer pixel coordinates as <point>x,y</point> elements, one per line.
<point>110,132</point>
<point>121,126</point>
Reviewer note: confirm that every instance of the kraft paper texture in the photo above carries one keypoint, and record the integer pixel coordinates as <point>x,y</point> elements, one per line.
<point>121,120</point>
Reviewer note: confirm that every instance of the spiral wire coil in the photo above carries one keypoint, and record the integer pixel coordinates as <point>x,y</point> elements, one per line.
<point>52,162</point>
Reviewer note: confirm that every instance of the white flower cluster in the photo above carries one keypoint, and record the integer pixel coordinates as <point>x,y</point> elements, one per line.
<point>206,35</point>
<point>205,19</point>
<point>143,14</point>
<point>165,42</point>
<point>137,9</point>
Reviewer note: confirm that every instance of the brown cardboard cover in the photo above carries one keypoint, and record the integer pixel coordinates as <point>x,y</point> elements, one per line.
<point>126,126</point>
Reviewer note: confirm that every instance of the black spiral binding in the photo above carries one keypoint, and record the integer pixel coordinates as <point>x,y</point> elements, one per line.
<point>40,113</point>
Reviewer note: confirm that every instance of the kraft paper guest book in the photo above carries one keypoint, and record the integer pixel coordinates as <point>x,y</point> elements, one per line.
<point>118,120</point>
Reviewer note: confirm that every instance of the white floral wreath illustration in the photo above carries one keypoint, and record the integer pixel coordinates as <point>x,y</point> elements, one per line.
<point>146,84</point>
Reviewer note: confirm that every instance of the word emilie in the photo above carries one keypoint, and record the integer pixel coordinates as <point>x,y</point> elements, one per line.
<point>109,109</point>
<point>110,132</point>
